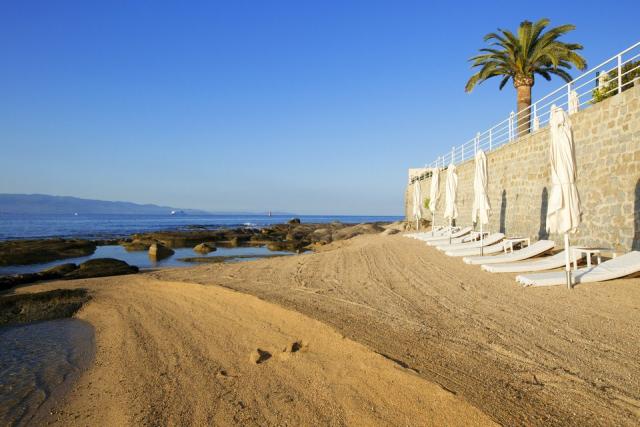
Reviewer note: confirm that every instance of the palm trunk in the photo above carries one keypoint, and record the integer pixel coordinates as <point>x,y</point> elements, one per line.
<point>524,110</point>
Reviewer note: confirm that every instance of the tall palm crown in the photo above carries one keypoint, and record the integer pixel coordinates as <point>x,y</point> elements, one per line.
<point>520,57</point>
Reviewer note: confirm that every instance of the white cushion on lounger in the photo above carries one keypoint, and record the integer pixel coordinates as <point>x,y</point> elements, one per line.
<point>487,250</point>
<point>613,269</point>
<point>539,247</point>
<point>445,236</point>
<point>538,264</point>
<point>487,241</point>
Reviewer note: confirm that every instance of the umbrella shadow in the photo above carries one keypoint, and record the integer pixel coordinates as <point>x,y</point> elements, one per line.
<point>636,219</point>
<point>503,212</point>
<point>543,234</point>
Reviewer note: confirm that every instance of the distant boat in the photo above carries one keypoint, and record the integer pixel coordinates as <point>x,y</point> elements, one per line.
<point>269,213</point>
<point>75,214</point>
<point>177,213</point>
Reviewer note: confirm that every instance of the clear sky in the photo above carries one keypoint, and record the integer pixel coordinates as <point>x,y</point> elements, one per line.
<point>300,106</point>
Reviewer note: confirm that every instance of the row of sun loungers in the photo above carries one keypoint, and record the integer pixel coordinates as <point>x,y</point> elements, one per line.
<point>463,242</point>
<point>615,268</point>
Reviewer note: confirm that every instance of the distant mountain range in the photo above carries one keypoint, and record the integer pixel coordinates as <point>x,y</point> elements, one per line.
<point>45,204</point>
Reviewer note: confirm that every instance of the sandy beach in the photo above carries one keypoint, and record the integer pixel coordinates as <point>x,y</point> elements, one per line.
<point>375,330</point>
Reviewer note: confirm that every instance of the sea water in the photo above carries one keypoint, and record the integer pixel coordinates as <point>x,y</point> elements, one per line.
<point>38,363</point>
<point>141,259</point>
<point>110,226</point>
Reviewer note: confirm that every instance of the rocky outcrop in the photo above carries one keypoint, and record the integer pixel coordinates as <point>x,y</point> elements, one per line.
<point>355,230</point>
<point>291,237</point>
<point>204,248</point>
<point>136,245</point>
<point>23,252</point>
<point>192,237</point>
<point>158,251</point>
<point>98,267</point>
<point>33,307</point>
<point>101,267</point>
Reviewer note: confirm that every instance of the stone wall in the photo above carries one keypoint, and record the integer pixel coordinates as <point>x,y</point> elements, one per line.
<point>607,142</point>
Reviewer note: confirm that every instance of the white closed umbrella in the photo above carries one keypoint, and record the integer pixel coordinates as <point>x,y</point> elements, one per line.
<point>451,188</point>
<point>434,195</point>
<point>417,202</point>
<point>481,205</point>
<point>574,102</point>
<point>563,215</point>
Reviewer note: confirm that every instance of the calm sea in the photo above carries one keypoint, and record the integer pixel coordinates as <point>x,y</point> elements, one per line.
<point>106,226</point>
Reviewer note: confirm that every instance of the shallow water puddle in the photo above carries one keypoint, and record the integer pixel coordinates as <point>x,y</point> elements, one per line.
<point>142,260</point>
<point>38,363</point>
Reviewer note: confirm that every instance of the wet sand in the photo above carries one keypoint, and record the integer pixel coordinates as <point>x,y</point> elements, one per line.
<point>385,331</point>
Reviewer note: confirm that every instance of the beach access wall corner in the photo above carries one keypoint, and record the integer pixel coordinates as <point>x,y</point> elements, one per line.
<point>607,144</point>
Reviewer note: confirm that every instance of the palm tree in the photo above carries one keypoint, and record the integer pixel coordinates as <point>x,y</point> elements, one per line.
<point>533,51</point>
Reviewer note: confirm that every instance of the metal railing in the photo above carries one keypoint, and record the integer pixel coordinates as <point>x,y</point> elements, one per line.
<point>608,78</point>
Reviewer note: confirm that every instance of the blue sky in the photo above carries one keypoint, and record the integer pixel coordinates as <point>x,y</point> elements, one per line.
<point>307,107</point>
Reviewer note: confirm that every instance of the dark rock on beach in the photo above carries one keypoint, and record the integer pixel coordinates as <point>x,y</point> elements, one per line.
<point>59,270</point>
<point>98,267</point>
<point>23,252</point>
<point>189,238</point>
<point>136,245</point>
<point>56,304</point>
<point>204,248</point>
<point>159,251</point>
<point>355,230</point>
<point>101,267</point>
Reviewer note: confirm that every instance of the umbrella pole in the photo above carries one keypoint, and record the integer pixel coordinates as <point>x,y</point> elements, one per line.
<point>567,259</point>
<point>450,229</point>
<point>433,223</point>
<point>481,240</point>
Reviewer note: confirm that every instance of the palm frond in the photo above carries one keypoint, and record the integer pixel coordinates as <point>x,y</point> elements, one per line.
<point>533,49</point>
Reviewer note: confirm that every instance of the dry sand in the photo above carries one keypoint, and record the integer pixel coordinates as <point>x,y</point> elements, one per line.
<point>524,356</point>
<point>185,354</point>
<point>182,353</point>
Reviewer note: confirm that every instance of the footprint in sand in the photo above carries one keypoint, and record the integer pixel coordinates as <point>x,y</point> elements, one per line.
<point>259,356</point>
<point>292,349</point>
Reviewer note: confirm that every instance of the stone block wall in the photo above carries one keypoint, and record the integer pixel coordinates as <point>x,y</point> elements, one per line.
<point>607,141</point>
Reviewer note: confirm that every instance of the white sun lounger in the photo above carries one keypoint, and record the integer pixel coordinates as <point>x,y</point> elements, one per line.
<point>487,250</point>
<point>487,241</point>
<point>453,241</point>
<point>538,248</point>
<point>613,269</point>
<point>539,264</point>
<point>445,237</point>
<point>444,234</point>
<point>439,232</point>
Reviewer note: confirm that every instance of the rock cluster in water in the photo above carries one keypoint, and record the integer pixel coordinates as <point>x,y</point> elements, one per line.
<point>98,267</point>
<point>23,252</point>
<point>293,236</point>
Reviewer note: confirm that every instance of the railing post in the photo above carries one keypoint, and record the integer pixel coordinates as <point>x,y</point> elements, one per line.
<point>569,98</point>
<point>453,154</point>
<point>511,116</point>
<point>619,73</point>
<point>477,144</point>
<point>490,139</point>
